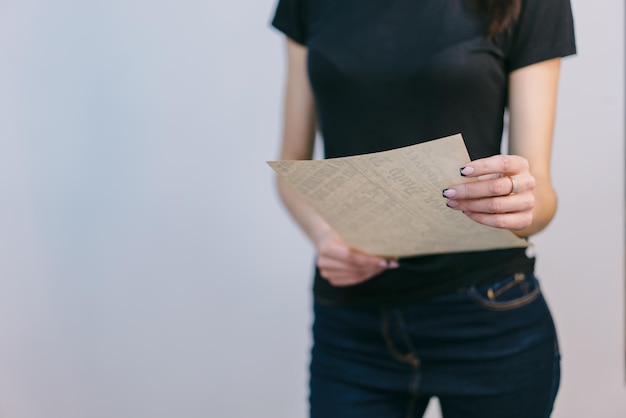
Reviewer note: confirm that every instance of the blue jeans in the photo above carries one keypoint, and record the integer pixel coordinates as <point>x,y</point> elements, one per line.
<point>488,351</point>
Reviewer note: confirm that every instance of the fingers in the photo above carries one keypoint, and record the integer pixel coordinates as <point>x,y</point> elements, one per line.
<point>342,266</point>
<point>490,187</point>
<point>515,220</point>
<point>500,204</point>
<point>502,195</point>
<point>340,275</point>
<point>510,212</point>
<point>505,164</point>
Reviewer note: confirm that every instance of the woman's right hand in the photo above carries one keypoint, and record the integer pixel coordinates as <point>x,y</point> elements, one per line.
<point>342,266</point>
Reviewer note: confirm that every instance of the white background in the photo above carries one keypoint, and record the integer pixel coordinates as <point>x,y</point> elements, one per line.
<point>147,268</point>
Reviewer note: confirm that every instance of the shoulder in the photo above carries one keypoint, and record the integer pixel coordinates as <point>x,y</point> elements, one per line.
<point>544,30</point>
<point>536,12</point>
<point>291,17</point>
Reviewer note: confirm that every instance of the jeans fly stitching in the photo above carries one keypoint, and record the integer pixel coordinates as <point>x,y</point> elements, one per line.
<point>407,358</point>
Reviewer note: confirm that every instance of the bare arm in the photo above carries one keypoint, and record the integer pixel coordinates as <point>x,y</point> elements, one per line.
<point>532,109</point>
<point>298,137</point>
<point>338,264</point>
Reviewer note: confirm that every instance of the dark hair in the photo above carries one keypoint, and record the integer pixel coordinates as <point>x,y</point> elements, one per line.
<point>498,13</point>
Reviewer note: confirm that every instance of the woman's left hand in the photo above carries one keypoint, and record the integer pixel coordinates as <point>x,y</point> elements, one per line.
<point>503,195</point>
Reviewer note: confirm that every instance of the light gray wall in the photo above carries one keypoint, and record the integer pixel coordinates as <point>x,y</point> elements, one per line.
<point>146,266</point>
<point>581,255</point>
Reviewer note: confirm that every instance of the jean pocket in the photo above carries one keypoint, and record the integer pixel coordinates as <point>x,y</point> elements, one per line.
<point>510,293</point>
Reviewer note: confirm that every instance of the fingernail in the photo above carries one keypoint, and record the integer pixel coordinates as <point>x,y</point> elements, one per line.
<point>390,264</point>
<point>466,171</point>
<point>452,204</point>
<point>448,193</point>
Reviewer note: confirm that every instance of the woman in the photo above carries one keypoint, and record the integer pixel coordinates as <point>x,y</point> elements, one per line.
<point>471,329</point>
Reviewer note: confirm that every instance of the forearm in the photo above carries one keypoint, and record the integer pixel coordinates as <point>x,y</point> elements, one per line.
<point>532,107</point>
<point>299,122</point>
<point>307,219</point>
<point>336,262</point>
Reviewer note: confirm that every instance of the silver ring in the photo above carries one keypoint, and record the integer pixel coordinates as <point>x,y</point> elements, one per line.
<point>514,184</point>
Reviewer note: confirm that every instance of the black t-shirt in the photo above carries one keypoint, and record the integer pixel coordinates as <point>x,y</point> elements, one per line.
<point>392,73</point>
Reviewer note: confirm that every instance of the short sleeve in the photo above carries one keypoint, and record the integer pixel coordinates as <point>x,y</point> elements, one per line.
<point>544,30</point>
<point>290,18</point>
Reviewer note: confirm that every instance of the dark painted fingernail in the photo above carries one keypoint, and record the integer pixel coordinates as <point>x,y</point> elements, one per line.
<point>448,193</point>
<point>466,171</point>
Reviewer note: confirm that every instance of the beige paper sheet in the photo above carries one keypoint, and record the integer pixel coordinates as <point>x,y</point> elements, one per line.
<point>389,203</point>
